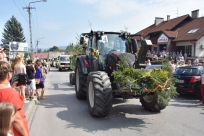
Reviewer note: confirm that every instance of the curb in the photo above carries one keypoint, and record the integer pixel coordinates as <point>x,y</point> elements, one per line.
<point>29,108</point>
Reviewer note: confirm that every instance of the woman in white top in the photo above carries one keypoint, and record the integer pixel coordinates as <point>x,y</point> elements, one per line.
<point>19,67</point>
<point>196,61</point>
<point>148,62</point>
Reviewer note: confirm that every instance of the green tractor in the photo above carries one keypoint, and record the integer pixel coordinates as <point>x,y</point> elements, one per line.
<point>110,59</point>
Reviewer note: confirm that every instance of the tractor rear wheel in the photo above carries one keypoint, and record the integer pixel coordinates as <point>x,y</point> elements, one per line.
<point>150,102</point>
<point>80,82</point>
<point>72,78</point>
<point>99,94</point>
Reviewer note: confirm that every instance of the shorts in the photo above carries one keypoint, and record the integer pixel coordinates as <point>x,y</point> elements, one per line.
<point>32,86</point>
<point>40,85</point>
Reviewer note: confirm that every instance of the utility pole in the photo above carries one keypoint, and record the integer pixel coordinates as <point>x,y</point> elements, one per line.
<point>30,28</point>
<point>29,15</point>
<point>37,43</point>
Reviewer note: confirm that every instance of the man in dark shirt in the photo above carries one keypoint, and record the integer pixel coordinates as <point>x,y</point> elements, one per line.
<point>30,72</point>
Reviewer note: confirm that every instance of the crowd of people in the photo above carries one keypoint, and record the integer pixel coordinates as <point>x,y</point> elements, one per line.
<point>175,59</point>
<point>12,96</point>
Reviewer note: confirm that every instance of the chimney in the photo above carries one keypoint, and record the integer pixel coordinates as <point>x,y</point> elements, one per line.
<point>195,14</point>
<point>158,20</point>
<point>168,17</point>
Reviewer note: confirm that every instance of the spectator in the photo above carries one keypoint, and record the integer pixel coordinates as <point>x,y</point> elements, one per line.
<point>39,75</point>
<point>196,61</point>
<point>173,67</point>
<point>202,85</point>
<point>30,72</point>
<point>7,94</point>
<point>19,67</point>
<point>181,58</point>
<point>1,57</point>
<point>2,50</point>
<point>185,56</point>
<point>148,62</point>
<point>7,116</point>
<point>189,63</point>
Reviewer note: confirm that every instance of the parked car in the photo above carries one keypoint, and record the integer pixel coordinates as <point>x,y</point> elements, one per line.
<point>188,80</point>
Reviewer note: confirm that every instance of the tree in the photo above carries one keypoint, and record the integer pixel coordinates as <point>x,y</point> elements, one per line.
<point>70,48</point>
<point>54,48</point>
<point>13,31</point>
<point>39,50</point>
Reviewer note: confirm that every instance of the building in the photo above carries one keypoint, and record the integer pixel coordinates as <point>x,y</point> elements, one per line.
<point>42,55</point>
<point>181,34</point>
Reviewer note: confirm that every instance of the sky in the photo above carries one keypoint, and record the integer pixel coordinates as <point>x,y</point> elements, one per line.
<point>58,22</point>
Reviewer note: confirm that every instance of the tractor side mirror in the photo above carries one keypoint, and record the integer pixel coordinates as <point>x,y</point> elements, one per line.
<point>81,40</point>
<point>134,45</point>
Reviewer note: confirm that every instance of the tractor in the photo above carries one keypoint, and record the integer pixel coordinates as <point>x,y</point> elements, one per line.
<point>93,77</point>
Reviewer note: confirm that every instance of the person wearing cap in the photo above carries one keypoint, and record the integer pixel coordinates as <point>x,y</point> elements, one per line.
<point>202,83</point>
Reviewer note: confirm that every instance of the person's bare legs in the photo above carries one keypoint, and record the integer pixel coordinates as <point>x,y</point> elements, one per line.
<point>42,93</point>
<point>38,94</point>
<point>29,94</point>
<point>33,93</point>
<point>23,92</point>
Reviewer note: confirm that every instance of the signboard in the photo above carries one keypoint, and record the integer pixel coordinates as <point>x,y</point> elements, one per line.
<point>13,54</point>
<point>162,39</point>
<point>18,46</point>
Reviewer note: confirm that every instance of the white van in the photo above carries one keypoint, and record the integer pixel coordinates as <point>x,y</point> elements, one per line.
<point>64,62</point>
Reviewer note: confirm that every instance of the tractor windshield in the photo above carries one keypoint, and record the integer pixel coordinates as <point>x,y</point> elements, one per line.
<point>110,42</point>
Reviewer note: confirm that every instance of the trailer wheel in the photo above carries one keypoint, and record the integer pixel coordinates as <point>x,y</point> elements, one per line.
<point>80,82</point>
<point>72,78</point>
<point>99,94</point>
<point>150,102</point>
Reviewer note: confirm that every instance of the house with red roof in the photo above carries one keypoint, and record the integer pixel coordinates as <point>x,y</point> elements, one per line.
<point>41,55</point>
<point>182,34</point>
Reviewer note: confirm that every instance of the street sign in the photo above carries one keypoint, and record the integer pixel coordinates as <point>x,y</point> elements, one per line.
<point>18,46</point>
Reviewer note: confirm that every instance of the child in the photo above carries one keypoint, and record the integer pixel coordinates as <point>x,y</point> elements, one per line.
<point>7,116</point>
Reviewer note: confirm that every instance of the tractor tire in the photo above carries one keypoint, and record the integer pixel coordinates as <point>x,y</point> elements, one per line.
<point>80,82</point>
<point>150,102</point>
<point>72,78</point>
<point>99,94</point>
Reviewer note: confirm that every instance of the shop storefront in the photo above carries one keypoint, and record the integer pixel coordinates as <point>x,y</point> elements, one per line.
<point>162,42</point>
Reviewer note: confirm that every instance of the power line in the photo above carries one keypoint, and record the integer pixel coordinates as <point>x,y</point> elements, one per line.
<point>20,11</point>
<point>37,22</point>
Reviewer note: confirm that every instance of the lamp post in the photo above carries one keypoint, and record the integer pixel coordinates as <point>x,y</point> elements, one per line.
<point>29,15</point>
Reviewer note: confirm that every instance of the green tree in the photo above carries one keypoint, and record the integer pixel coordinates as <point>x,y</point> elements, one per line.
<point>39,50</point>
<point>54,48</point>
<point>13,31</point>
<point>70,48</point>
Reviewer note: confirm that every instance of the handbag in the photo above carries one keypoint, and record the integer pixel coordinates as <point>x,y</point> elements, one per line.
<point>37,81</point>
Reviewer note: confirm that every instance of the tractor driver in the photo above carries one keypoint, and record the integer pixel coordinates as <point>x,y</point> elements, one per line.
<point>102,49</point>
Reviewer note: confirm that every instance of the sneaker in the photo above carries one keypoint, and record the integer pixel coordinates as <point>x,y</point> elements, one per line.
<point>26,101</point>
<point>34,99</point>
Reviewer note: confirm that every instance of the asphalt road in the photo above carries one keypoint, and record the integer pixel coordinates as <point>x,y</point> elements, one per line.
<point>62,114</point>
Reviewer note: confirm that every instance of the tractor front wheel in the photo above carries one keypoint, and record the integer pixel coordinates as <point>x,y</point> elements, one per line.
<point>150,102</point>
<point>80,82</point>
<point>99,94</point>
<point>72,78</point>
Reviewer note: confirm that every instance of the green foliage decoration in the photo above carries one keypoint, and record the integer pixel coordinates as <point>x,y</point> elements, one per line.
<point>140,81</point>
